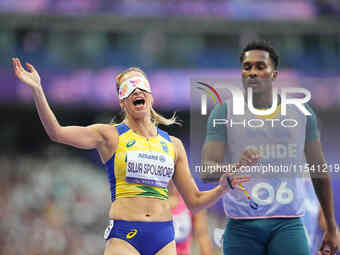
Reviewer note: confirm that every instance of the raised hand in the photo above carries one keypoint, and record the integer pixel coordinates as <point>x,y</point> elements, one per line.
<point>31,77</point>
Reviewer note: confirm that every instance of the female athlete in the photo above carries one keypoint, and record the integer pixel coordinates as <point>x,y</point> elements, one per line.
<point>140,160</point>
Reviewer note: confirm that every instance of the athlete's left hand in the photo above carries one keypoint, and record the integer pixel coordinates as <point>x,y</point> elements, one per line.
<point>331,241</point>
<point>234,181</point>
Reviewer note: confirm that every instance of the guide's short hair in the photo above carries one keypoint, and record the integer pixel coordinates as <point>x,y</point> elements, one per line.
<point>261,45</point>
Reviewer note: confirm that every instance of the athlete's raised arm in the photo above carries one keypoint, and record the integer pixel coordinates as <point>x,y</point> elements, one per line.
<point>193,197</point>
<point>90,137</point>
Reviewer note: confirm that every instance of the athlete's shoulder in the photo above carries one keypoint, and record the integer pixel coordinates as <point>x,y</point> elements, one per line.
<point>162,133</point>
<point>107,138</point>
<point>120,128</point>
<point>219,111</point>
<point>175,140</point>
<point>178,147</point>
<point>101,127</point>
<point>106,130</point>
<point>312,130</point>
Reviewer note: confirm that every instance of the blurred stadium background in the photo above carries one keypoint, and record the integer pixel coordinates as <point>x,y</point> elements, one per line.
<point>54,199</point>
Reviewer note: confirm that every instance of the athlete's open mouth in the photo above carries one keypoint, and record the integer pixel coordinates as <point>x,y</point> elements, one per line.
<point>139,101</point>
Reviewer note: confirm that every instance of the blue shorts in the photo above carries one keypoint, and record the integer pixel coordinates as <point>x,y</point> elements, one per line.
<point>147,237</point>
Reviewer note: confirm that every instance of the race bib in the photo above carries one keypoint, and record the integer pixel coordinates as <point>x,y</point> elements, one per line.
<point>149,168</point>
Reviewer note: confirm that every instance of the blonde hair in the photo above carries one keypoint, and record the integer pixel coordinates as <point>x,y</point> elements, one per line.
<point>156,118</point>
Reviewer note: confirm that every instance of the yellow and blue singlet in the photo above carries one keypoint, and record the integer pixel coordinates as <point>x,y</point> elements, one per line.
<point>116,166</point>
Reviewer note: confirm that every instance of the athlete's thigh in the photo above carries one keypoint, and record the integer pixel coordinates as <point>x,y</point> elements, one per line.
<point>243,246</point>
<point>240,238</point>
<point>116,246</point>
<point>289,239</point>
<point>169,249</point>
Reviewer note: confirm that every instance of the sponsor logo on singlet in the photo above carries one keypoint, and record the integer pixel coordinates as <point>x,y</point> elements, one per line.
<point>130,143</point>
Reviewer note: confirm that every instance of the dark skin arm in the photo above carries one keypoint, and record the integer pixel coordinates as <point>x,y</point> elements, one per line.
<point>323,189</point>
<point>212,152</point>
<point>323,225</point>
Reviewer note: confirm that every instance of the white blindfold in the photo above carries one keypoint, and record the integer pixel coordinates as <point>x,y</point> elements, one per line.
<point>128,86</point>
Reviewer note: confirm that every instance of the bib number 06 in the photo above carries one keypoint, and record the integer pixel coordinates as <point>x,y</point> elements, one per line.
<point>284,194</point>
